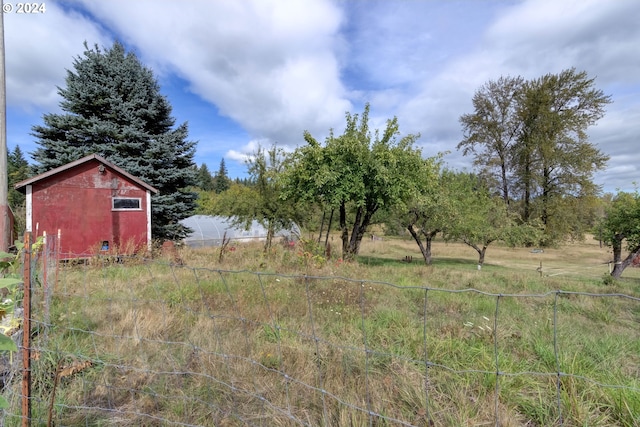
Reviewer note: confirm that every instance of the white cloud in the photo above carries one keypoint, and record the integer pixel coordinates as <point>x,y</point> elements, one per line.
<point>278,67</point>
<point>531,39</point>
<point>544,36</point>
<point>237,156</point>
<point>268,65</point>
<point>39,48</point>
<point>247,151</point>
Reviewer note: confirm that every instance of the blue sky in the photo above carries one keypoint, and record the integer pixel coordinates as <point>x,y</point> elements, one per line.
<point>245,73</point>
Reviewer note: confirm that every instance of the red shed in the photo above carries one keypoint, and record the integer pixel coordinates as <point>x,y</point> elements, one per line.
<point>92,204</point>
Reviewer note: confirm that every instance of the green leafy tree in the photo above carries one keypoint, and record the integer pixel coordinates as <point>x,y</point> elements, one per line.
<point>532,136</point>
<point>491,132</point>
<point>430,211</point>
<point>620,229</point>
<point>554,159</point>
<point>221,181</point>
<point>112,106</point>
<point>478,218</point>
<point>238,203</point>
<point>205,202</point>
<point>263,201</point>
<point>357,174</point>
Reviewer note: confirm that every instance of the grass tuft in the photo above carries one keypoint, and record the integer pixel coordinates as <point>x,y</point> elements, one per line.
<point>288,338</point>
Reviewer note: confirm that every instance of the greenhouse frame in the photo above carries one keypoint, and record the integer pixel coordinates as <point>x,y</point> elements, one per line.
<point>208,230</point>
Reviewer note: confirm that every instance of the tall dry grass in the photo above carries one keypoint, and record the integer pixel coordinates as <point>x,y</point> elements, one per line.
<point>288,338</point>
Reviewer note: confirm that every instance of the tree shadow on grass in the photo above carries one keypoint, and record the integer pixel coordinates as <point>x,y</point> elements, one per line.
<point>374,261</point>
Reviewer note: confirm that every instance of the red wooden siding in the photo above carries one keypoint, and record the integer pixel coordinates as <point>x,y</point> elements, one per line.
<point>78,202</point>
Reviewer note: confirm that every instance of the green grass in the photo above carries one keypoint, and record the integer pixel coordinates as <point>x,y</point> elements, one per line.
<point>257,341</point>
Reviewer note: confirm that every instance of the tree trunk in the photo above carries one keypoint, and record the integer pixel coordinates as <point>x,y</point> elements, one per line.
<point>344,230</point>
<point>349,251</point>
<point>618,263</point>
<point>527,196</point>
<point>505,185</point>
<point>481,251</point>
<point>326,240</point>
<point>425,248</point>
<point>428,239</point>
<point>270,233</point>
<point>362,229</point>
<point>481,258</point>
<point>321,225</point>
<point>545,196</point>
<point>356,227</point>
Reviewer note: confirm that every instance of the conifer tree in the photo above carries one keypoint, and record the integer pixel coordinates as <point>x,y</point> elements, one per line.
<point>205,180</point>
<point>112,106</point>
<point>18,170</point>
<point>222,181</point>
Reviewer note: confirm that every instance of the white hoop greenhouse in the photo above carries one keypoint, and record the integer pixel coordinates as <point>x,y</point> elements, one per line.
<point>209,230</point>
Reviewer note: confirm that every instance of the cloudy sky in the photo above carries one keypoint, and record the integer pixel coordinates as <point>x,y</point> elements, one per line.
<point>245,73</point>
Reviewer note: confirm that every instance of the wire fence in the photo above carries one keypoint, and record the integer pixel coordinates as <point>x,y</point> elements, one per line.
<point>133,341</point>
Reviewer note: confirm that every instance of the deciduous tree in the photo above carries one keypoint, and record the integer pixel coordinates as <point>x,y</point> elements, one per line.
<point>531,135</point>
<point>553,158</point>
<point>493,129</point>
<point>430,211</point>
<point>477,217</point>
<point>620,229</point>
<point>357,174</point>
<point>263,201</point>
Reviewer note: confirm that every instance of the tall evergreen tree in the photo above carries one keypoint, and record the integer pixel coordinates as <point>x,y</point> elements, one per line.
<point>113,107</point>
<point>205,180</point>
<point>222,181</point>
<point>18,170</point>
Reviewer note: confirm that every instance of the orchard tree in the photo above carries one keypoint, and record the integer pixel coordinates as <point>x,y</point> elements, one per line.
<point>620,226</point>
<point>430,211</point>
<point>357,174</point>
<point>477,217</point>
<point>112,106</point>
<point>262,201</point>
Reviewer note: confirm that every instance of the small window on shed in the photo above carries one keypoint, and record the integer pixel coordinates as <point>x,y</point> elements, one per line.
<point>126,204</point>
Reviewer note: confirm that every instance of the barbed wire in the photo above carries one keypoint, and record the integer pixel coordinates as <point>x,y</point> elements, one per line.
<point>243,384</point>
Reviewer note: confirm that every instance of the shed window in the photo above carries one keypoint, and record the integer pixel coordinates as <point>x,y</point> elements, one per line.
<point>126,204</point>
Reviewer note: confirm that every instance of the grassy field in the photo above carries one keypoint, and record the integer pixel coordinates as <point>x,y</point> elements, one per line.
<point>289,338</point>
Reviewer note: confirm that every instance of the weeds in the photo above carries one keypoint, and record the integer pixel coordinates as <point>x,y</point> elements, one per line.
<point>289,337</point>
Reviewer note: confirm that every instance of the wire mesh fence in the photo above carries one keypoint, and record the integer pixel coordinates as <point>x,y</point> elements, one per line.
<point>133,341</point>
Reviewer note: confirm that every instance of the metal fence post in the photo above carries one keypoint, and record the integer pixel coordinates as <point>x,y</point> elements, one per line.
<point>26,334</point>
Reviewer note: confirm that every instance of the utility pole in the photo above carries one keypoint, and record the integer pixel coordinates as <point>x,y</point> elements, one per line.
<point>5,224</point>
